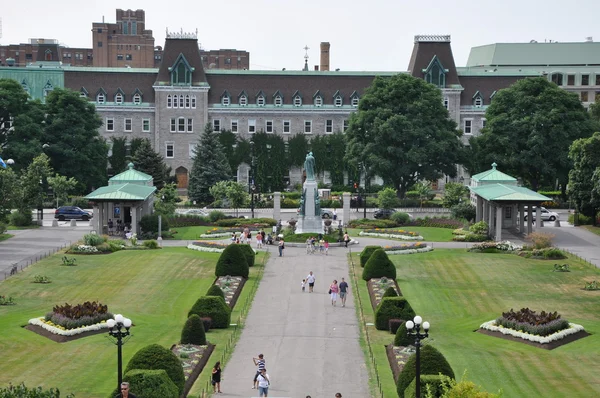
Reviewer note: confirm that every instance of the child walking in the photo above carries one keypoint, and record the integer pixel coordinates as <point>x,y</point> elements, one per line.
<point>303,285</point>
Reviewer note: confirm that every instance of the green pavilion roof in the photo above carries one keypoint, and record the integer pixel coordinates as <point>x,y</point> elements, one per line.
<point>493,175</point>
<point>127,191</point>
<point>132,176</point>
<point>503,192</point>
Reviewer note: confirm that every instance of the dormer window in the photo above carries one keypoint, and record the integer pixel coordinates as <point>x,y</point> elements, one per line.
<point>47,88</point>
<point>243,100</point>
<point>181,72</point>
<point>319,101</point>
<point>477,100</point>
<point>297,99</point>
<point>260,101</point>
<point>83,93</point>
<point>435,73</point>
<point>225,101</point>
<point>100,98</point>
<point>26,86</point>
<point>119,98</point>
<point>354,98</point>
<point>492,95</point>
<point>278,101</point>
<point>355,102</point>
<point>338,101</point>
<point>137,99</point>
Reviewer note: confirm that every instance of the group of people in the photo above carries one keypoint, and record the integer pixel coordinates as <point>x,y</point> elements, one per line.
<point>245,236</point>
<point>313,244</point>
<point>335,289</point>
<point>261,378</point>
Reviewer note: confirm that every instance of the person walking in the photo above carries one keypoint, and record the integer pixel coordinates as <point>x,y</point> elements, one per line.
<point>259,241</point>
<point>346,238</point>
<point>309,246</point>
<point>216,377</point>
<point>311,281</point>
<point>343,291</point>
<point>281,247</point>
<point>326,246</point>
<point>334,289</point>
<point>260,365</point>
<point>334,215</point>
<point>125,391</point>
<point>263,383</point>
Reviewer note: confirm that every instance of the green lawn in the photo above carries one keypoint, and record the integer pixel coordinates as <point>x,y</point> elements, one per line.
<point>13,228</point>
<point>191,233</point>
<point>591,228</point>
<point>5,236</point>
<point>456,291</point>
<point>154,288</point>
<point>428,233</point>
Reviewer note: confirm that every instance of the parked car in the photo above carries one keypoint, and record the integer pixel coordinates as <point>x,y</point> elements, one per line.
<point>324,213</point>
<point>547,215</point>
<point>194,212</point>
<point>72,213</point>
<point>383,213</point>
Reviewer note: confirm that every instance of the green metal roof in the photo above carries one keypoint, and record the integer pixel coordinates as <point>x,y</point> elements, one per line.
<point>35,79</point>
<point>107,69</point>
<point>131,176</point>
<point>299,72</point>
<point>128,191</point>
<point>493,175</point>
<point>586,53</point>
<point>502,192</point>
<point>499,71</point>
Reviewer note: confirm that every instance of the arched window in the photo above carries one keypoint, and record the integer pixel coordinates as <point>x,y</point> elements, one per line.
<point>100,98</point>
<point>319,101</point>
<point>169,101</point>
<point>181,101</point>
<point>175,101</point>
<point>137,99</point>
<point>243,100</point>
<point>118,98</point>
<point>297,101</point>
<point>187,101</point>
<point>338,101</point>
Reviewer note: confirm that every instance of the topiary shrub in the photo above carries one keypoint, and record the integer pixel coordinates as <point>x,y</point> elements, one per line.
<point>389,292</point>
<point>207,322</point>
<point>402,339</point>
<point>149,223</point>
<point>154,357</point>
<point>433,381</point>
<point>232,262</point>
<point>379,265</point>
<point>214,308</point>
<point>249,253</point>
<point>390,308</point>
<point>432,363</point>
<point>400,218</point>
<point>150,384</point>
<point>215,290</point>
<point>366,254</point>
<point>394,325</point>
<point>193,331</point>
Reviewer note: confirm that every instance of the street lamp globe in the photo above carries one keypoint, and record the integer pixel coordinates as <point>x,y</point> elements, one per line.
<point>110,323</point>
<point>418,320</point>
<point>10,162</point>
<point>119,318</point>
<point>127,322</point>
<point>425,326</point>
<point>410,325</point>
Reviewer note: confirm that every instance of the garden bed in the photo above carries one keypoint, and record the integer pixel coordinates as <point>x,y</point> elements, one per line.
<point>391,234</point>
<point>198,356</point>
<point>397,357</point>
<point>59,338</point>
<point>376,289</point>
<point>232,288</point>
<point>419,247</point>
<point>548,346</point>
<point>203,246</point>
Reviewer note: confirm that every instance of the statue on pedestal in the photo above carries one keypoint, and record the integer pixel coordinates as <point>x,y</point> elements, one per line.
<point>309,166</point>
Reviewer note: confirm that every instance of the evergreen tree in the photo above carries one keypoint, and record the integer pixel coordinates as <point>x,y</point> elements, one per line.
<point>118,158</point>
<point>146,160</point>
<point>210,166</point>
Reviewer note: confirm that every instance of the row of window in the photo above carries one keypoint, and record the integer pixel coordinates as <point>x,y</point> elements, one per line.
<point>585,96</point>
<point>128,57</point>
<point>181,101</point>
<point>182,125</point>
<point>119,98</point>
<point>269,126</point>
<point>571,79</point>
<point>261,99</point>
<point>468,126</point>
<point>127,125</point>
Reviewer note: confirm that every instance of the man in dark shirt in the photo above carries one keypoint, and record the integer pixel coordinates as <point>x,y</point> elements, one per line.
<point>125,391</point>
<point>343,291</point>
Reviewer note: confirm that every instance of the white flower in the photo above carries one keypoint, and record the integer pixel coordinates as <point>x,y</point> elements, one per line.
<point>70,332</point>
<point>220,234</point>
<point>410,251</point>
<point>205,249</point>
<point>572,329</point>
<point>391,236</point>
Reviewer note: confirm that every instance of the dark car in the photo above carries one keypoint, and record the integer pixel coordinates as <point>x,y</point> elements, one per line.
<point>72,213</point>
<point>383,213</point>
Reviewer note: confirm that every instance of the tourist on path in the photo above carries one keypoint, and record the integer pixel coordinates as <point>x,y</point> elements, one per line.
<point>125,391</point>
<point>343,291</point>
<point>259,241</point>
<point>346,238</point>
<point>326,246</point>
<point>260,365</point>
<point>263,383</point>
<point>216,377</point>
<point>281,247</point>
<point>303,285</point>
<point>311,281</point>
<point>334,290</point>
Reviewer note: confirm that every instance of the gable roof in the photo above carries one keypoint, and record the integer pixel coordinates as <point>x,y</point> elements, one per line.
<point>173,49</point>
<point>502,192</point>
<point>424,51</point>
<point>131,176</point>
<point>128,191</point>
<point>493,175</point>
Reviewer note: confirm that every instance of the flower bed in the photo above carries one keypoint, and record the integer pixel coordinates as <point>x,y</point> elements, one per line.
<point>62,331</point>
<point>193,360</point>
<point>572,329</point>
<point>397,357</point>
<point>378,286</point>
<point>220,232</point>
<point>212,247</point>
<point>419,247</point>
<point>392,234</point>
<point>495,247</point>
<point>231,287</point>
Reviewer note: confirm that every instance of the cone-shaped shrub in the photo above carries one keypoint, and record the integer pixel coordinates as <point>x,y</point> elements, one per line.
<point>154,357</point>
<point>193,331</point>
<point>390,292</point>
<point>402,339</point>
<point>150,384</point>
<point>432,363</point>
<point>390,308</point>
<point>379,265</point>
<point>232,262</point>
<point>366,254</point>
<point>215,290</point>
<point>214,308</point>
<point>435,386</point>
<point>249,253</point>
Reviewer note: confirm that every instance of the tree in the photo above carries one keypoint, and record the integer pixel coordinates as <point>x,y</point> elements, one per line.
<point>75,146</point>
<point>270,165</point>
<point>530,126</point>
<point>34,181</point>
<point>210,166</point>
<point>166,200</point>
<point>387,198</point>
<point>147,160</point>
<point>233,191</point>
<point>297,150</point>
<point>10,188</point>
<point>402,133</point>
<point>26,139</point>
<point>595,113</point>
<point>61,186</point>
<point>454,193</point>
<point>423,188</point>
<point>585,155</point>
<point>13,102</point>
<point>118,158</point>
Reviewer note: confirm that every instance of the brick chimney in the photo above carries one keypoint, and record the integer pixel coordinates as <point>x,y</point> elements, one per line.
<point>325,56</point>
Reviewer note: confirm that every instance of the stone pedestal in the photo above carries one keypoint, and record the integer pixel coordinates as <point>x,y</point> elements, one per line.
<point>346,212</point>
<point>276,205</point>
<point>310,222</point>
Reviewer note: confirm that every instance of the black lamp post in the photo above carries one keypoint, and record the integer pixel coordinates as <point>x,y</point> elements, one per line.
<point>414,329</point>
<point>118,329</point>
<point>252,189</point>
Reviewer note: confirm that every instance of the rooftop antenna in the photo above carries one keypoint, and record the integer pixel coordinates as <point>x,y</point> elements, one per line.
<point>306,48</point>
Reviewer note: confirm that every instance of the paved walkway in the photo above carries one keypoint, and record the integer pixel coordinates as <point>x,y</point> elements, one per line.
<point>310,347</point>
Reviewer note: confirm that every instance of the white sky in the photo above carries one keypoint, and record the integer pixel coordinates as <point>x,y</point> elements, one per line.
<point>374,35</point>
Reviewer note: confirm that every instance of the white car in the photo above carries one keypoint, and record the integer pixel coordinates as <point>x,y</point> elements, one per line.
<point>546,214</point>
<point>194,212</point>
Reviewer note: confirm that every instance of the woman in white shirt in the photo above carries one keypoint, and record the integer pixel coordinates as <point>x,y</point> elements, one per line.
<point>263,383</point>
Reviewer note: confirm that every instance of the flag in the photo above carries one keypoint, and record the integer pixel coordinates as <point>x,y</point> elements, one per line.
<point>2,163</point>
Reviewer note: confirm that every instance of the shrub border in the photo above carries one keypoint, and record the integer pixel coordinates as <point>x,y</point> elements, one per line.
<point>237,293</point>
<point>372,293</point>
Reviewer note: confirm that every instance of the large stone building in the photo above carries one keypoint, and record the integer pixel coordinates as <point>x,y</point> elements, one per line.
<point>171,104</point>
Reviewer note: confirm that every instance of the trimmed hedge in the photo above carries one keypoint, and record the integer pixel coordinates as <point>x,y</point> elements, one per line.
<point>402,339</point>
<point>193,331</point>
<point>214,308</point>
<point>232,262</point>
<point>400,218</point>
<point>150,384</point>
<point>395,324</point>
<point>366,253</point>
<point>207,323</point>
<point>432,363</point>
<point>390,308</point>
<point>390,292</point>
<point>149,223</point>
<point>249,253</point>
<point>154,357</point>
<point>379,265</point>
<point>215,290</point>
<point>434,382</point>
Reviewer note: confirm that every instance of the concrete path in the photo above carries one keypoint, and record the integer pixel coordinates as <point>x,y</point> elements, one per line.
<point>310,347</point>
